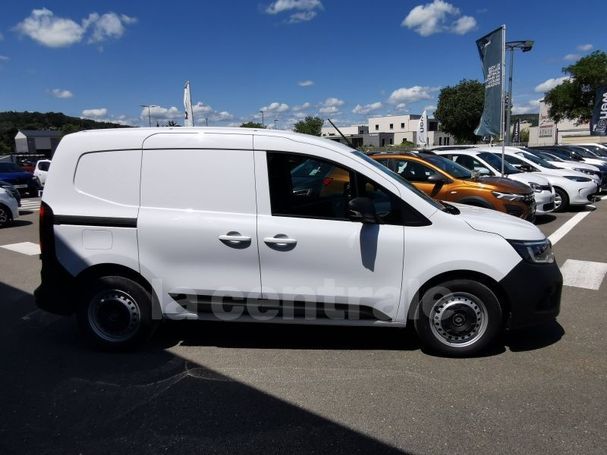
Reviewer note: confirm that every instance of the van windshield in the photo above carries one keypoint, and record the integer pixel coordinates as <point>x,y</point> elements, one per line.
<point>537,160</point>
<point>400,179</point>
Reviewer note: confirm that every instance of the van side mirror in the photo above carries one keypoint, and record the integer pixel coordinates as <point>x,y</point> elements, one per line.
<point>483,171</point>
<point>362,209</point>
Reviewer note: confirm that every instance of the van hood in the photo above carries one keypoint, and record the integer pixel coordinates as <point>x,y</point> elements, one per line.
<point>494,222</point>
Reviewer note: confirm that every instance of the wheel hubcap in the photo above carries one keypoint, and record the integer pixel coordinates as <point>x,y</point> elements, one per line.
<point>458,319</point>
<point>557,200</point>
<point>3,216</point>
<point>114,315</point>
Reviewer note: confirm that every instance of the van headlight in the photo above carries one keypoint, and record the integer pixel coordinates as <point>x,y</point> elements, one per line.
<point>508,196</point>
<point>536,251</point>
<point>585,171</point>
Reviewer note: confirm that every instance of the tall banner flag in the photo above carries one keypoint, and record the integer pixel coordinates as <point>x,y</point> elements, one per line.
<point>516,132</point>
<point>598,125</point>
<point>422,130</point>
<point>187,105</point>
<point>492,51</point>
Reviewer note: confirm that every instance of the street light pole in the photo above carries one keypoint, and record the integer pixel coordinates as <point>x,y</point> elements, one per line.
<point>149,107</point>
<point>262,122</point>
<point>524,46</point>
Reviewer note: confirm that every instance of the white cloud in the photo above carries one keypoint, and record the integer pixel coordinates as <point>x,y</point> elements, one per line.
<point>532,106</point>
<point>275,107</point>
<point>52,31</point>
<point>94,113</point>
<point>410,94</point>
<point>306,83</point>
<point>201,113</point>
<point>585,47</point>
<point>359,109</point>
<point>61,93</point>
<point>572,57</point>
<point>430,108</point>
<point>4,58</point>
<point>106,26</point>
<point>549,84</point>
<point>1,37</point>
<point>463,25</point>
<point>333,102</point>
<point>201,108</point>
<point>47,29</point>
<point>300,10</point>
<point>436,17</point>
<point>401,107</point>
<point>329,110</point>
<point>301,107</point>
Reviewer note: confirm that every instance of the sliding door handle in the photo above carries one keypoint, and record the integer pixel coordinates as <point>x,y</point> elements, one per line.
<point>279,241</point>
<point>234,237</point>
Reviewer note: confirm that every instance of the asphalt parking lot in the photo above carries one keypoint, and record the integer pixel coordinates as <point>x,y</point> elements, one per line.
<point>215,388</point>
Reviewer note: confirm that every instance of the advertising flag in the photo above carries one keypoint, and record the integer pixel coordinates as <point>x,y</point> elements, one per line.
<point>422,130</point>
<point>491,49</point>
<point>516,132</point>
<point>187,105</point>
<point>598,125</point>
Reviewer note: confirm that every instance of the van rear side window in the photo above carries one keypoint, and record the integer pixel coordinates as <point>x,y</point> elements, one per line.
<point>111,176</point>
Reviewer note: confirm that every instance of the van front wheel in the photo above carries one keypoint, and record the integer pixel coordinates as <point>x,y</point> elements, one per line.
<point>115,312</point>
<point>458,318</point>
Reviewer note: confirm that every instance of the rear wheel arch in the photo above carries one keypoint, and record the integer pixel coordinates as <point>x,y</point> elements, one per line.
<point>9,213</point>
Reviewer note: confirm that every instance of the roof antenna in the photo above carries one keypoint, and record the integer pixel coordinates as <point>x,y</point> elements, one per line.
<point>341,134</point>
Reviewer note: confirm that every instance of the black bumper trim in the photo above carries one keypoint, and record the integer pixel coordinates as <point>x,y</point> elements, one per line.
<point>533,292</point>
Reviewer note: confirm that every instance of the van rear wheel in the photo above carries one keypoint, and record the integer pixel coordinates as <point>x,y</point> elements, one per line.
<point>115,313</point>
<point>458,318</point>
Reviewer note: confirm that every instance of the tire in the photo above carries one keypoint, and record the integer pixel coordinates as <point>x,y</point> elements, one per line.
<point>5,216</point>
<point>115,313</point>
<point>458,318</point>
<point>560,195</point>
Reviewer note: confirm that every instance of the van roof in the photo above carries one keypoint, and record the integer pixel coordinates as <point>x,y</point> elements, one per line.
<point>134,137</point>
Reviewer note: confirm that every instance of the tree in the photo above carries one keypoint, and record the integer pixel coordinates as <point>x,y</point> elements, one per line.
<point>252,125</point>
<point>574,98</point>
<point>309,125</point>
<point>172,123</point>
<point>459,109</point>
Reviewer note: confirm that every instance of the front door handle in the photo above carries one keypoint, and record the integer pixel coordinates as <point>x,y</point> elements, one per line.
<point>279,240</point>
<point>234,237</point>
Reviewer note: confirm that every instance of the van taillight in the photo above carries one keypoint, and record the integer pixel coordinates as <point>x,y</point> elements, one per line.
<point>46,230</point>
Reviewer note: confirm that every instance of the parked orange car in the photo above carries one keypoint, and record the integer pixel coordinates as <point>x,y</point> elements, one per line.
<point>446,180</point>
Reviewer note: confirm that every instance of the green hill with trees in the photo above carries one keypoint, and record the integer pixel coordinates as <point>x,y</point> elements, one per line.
<point>11,122</point>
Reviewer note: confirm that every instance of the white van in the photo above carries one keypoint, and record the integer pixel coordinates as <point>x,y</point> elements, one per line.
<point>275,227</point>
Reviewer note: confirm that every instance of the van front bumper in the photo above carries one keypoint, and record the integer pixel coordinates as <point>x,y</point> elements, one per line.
<point>533,292</point>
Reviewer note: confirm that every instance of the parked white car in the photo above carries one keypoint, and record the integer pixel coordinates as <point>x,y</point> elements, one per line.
<point>486,163</point>
<point>597,173</point>
<point>41,170</point>
<point>277,227</point>
<point>570,187</point>
<point>9,207</point>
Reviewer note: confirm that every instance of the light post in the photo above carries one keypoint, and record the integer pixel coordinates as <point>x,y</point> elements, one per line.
<point>524,46</point>
<point>275,123</point>
<point>262,122</point>
<point>149,107</point>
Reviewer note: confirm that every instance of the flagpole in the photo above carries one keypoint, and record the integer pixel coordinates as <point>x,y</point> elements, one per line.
<point>503,106</point>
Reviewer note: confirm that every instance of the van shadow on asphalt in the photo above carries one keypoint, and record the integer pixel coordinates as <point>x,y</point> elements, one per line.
<point>60,396</point>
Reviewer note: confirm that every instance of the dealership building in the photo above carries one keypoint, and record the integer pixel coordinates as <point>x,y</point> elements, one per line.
<point>389,130</point>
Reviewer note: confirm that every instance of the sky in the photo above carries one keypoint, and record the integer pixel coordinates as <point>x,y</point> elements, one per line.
<point>347,60</point>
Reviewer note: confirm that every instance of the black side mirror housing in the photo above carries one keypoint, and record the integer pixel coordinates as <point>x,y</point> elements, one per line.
<point>362,209</point>
<point>438,178</point>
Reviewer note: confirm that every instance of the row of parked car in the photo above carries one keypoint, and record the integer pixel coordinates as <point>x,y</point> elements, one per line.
<point>529,182</point>
<point>17,182</point>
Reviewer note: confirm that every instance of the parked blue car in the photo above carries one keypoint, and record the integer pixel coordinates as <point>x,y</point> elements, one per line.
<point>23,181</point>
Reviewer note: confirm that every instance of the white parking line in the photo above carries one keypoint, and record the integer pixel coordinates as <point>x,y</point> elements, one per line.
<point>565,228</point>
<point>583,274</point>
<point>28,248</point>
